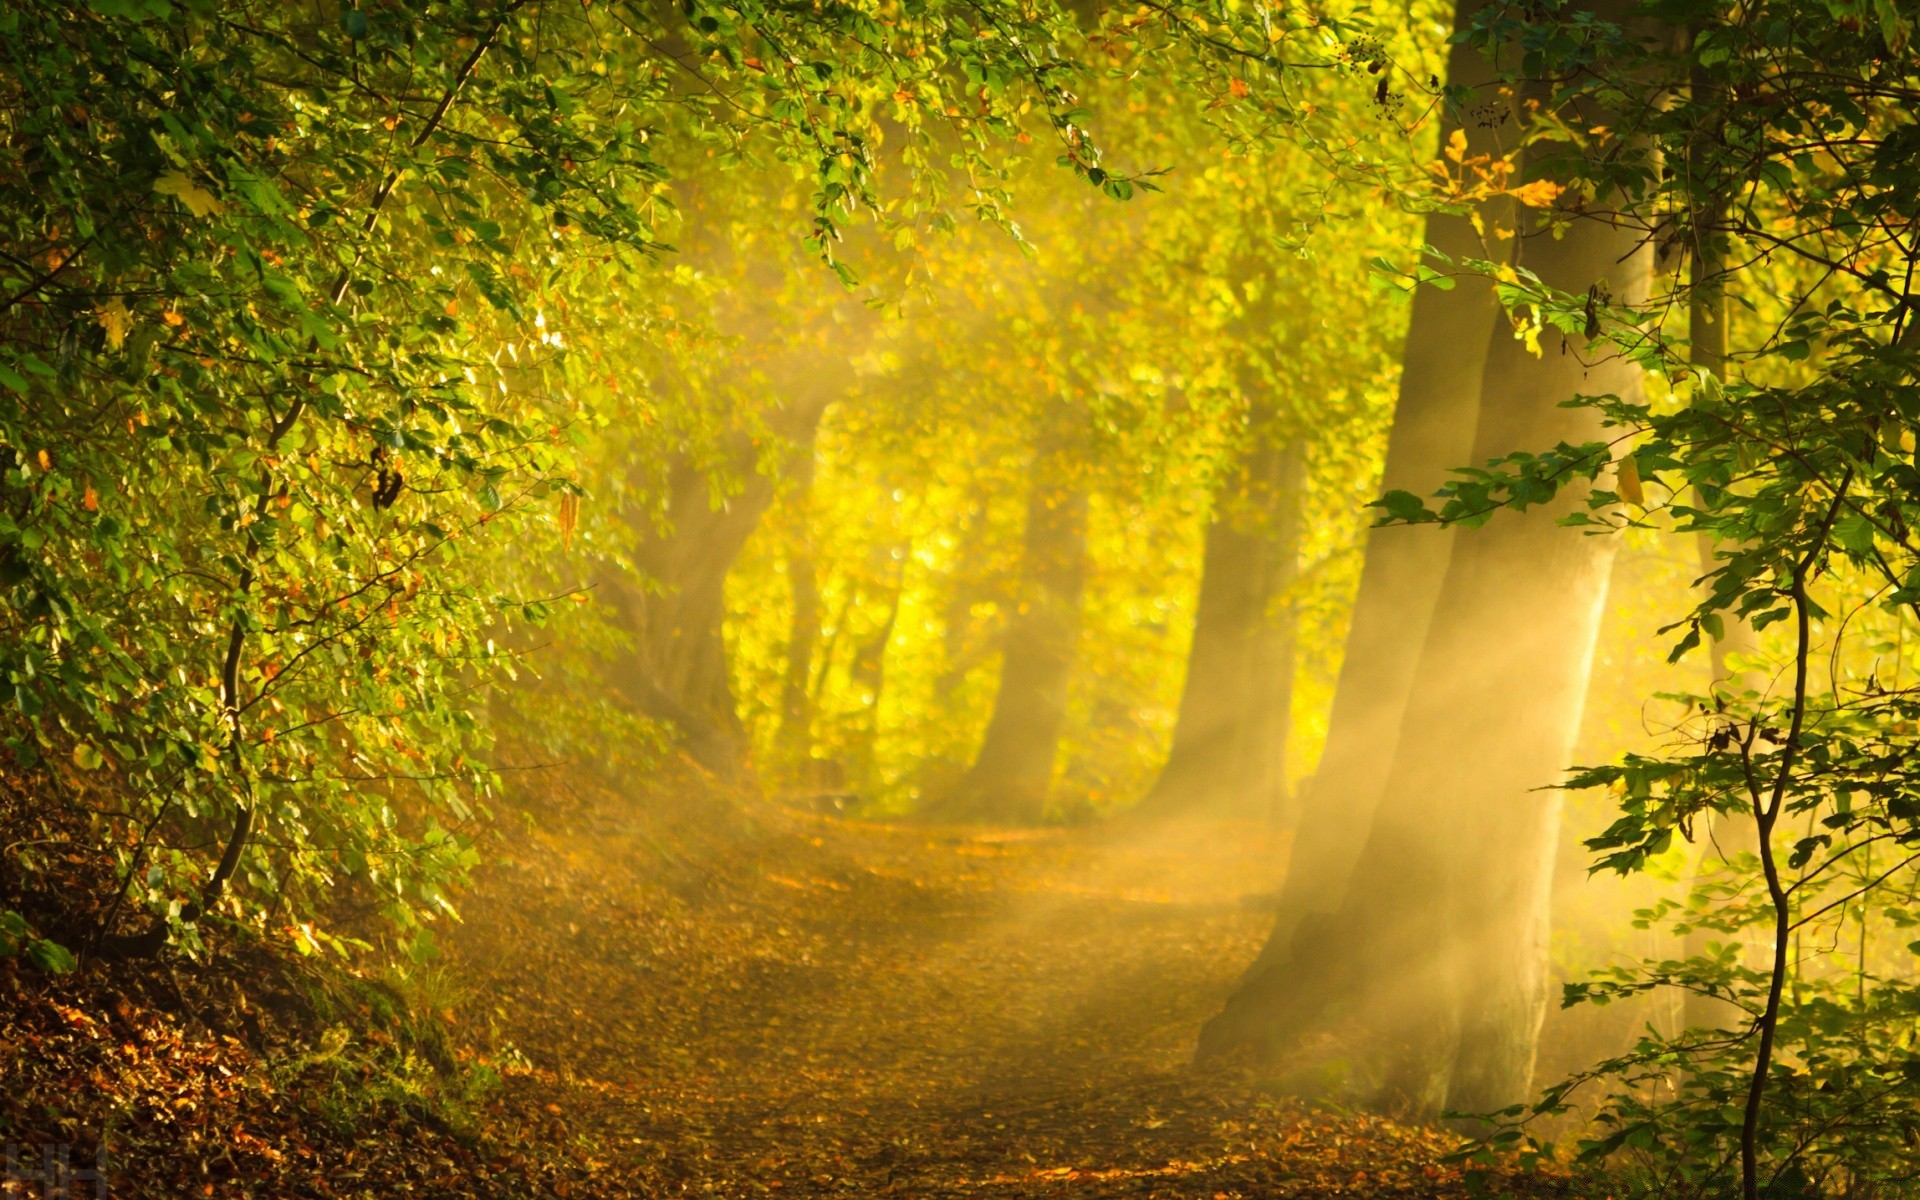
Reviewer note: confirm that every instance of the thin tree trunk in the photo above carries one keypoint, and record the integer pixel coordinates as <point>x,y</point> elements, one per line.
<point>1229,741</point>
<point>960,651</point>
<point>795,736</point>
<point>1400,582</point>
<point>1010,777</point>
<point>867,673</point>
<point>1735,833</point>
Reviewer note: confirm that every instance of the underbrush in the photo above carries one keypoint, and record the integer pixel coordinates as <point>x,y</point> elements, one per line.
<point>241,1061</point>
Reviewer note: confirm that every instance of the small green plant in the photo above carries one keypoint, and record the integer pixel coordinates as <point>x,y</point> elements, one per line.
<point>17,939</point>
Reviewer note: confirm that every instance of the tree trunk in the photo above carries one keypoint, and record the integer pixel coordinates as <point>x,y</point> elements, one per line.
<point>675,611</point>
<point>961,648</point>
<point>795,736</point>
<point>1727,834</point>
<point>1011,775</point>
<point>1229,741</point>
<point>1515,628</point>
<point>1439,961</point>
<point>1400,581</point>
<point>1262,749</point>
<point>867,672</point>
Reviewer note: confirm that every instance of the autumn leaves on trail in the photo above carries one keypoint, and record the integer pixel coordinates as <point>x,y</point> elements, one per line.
<point>667,992</point>
<point>807,1006</point>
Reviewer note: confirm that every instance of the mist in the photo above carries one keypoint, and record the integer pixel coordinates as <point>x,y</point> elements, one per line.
<point>1198,600</point>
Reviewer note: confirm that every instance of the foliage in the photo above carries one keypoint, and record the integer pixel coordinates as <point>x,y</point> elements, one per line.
<point>279,380</point>
<point>1149,336</point>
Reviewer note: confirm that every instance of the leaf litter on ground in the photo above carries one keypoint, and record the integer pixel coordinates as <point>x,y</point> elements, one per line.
<point>677,990</point>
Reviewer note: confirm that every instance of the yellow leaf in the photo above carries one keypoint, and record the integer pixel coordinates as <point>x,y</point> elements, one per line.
<point>1541,193</point>
<point>199,201</point>
<point>1457,145</point>
<point>115,319</point>
<point>1627,482</point>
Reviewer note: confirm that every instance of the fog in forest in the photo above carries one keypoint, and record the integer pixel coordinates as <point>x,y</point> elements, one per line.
<point>1212,600</point>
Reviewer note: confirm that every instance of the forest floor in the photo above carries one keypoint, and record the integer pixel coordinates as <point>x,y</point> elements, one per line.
<point>800,1005</point>
<point>672,991</point>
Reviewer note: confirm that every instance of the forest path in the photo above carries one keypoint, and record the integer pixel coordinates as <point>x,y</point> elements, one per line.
<point>801,1005</point>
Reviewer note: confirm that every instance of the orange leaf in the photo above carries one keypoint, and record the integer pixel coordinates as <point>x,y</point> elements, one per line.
<point>1541,193</point>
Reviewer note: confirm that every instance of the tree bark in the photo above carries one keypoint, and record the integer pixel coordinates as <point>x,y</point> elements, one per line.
<point>1450,896</point>
<point>795,736</point>
<point>1229,740</point>
<point>1262,750</point>
<point>1733,833</point>
<point>1011,775</point>
<point>674,610</point>
<point>1493,719</point>
<point>1399,584</point>
<point>1439,968</point>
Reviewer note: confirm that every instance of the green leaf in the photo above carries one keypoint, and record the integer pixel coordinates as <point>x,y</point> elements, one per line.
<point>1854,533</point>
<point>51,957</point>
<point>14,933</point>
<point>1404,506</point>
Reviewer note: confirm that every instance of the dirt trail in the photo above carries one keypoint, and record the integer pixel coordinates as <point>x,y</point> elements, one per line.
<point>808,1006</point>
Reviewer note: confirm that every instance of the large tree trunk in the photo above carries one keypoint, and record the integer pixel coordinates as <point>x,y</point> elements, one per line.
<point>1399,584</point>
<point>1512,639</point>
<point>1229,741</point>
<point>1010,776</point>
<point>1438,967</point>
